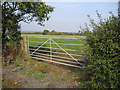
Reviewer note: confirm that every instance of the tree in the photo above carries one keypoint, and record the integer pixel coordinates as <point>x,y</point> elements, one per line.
<point>119,14</point>
<point>15,12</point>
<point>78,32</point>
<point>119,9</point>
<point>0,20</point>
<point>53,31</point>
<point>45,32</point>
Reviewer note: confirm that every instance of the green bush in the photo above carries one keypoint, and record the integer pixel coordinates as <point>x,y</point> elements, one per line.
<point>104,56</point>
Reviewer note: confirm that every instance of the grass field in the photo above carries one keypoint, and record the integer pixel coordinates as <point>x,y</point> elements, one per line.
<point>64,41</point>
<point>64,36</point>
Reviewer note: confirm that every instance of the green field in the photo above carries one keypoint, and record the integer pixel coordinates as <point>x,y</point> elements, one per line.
<point>64,36</point>
<point>64,41</point>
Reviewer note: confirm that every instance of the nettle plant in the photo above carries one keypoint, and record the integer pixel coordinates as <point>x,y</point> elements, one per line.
<point>104,56</point>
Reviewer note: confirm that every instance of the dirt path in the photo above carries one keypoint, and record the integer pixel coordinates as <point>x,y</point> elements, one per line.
<point>34,74</point>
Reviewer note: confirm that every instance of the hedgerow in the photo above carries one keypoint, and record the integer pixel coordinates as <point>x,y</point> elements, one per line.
<point>104,56</point>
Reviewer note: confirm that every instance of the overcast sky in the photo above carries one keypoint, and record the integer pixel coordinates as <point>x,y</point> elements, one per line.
<point>69,16</point>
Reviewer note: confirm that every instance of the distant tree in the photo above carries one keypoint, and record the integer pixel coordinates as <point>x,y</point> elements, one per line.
<point>53,31</point>
<point>79,32</point>
<point>70,33</point>
<point>45,32</point>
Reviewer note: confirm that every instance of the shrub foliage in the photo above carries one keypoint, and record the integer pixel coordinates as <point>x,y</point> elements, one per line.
<point>104,56</point>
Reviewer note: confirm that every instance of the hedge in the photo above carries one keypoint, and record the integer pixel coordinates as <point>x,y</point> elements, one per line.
<point>104,56</point>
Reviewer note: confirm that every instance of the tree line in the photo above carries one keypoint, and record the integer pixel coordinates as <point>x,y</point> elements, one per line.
<point>53,32</point>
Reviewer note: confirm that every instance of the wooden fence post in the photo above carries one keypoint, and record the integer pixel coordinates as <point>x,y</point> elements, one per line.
<point>25,43</point>
<point>22,44</point>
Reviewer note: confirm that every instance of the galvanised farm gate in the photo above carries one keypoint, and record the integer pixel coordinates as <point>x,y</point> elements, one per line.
<point>65,51</point>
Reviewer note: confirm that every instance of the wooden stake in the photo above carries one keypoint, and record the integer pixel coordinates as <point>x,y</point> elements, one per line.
<point>26,46</point>
<point>22,44</point>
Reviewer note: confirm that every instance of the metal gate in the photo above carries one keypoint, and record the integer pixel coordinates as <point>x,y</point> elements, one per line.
<point>58,50</point>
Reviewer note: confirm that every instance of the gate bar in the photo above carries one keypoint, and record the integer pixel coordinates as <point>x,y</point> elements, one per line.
<point>57,59</point>
<point>58,56</point>
<point>58,62</point>
<point>54,48</point>
<point>60,43</point>
<point>60,53</point>
<point>58,38</point>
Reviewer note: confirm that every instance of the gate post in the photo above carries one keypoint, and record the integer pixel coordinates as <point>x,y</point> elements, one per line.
<point>26,46</point>
<point>85,53</point>
<point>21,43</point>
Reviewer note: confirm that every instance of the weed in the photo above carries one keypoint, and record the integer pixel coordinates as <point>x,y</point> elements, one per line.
<point>44,65</point>
<point>18,59</point>
<point>58,72</point>
<point>16,64</point>
<point>30,72</point>
<point>20,68</point>
<point>14,70</point>
<point>40,76</point>
<point>23,72</point>
<point>48,67</point>
<point>42,71</point>
<point>59,78</point>
<point>66,84</point>
<point>11,60</point>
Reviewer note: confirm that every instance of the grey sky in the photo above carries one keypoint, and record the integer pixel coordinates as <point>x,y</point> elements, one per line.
<point>69,16</point>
